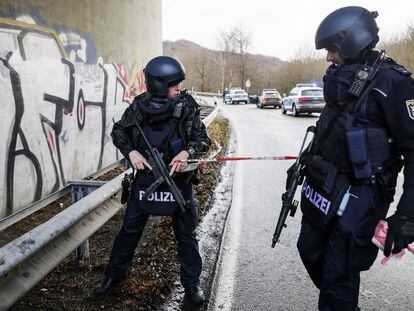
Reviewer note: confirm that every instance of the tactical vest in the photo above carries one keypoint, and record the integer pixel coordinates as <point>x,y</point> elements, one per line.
<point>161,129</point>
<point>162,138</point>
<point>163,135</point>
<point>353,130</point>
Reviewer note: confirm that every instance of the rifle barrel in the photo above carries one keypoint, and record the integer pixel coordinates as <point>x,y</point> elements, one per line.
<point>280,223</point>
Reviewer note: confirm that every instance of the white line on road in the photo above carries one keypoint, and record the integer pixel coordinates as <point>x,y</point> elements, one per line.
<point>223,285</point>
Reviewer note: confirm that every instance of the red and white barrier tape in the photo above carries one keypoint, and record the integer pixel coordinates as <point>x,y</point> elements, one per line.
<point>200,163</point>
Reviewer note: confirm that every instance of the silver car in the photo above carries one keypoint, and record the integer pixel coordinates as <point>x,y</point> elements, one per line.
<point>236,96</point>
<point>303,99</point>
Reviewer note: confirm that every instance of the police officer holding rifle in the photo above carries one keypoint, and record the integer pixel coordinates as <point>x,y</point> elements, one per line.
<point>159,131</point>
<point>364,136</point>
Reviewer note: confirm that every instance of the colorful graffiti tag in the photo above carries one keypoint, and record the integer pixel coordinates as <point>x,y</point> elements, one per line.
<point>58,111</point>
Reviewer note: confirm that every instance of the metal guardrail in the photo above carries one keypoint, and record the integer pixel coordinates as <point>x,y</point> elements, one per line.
<point>27,259</point>
<point>206,94</point>
<point>105,170</point>
<point>13,218</point>
<point>207,120</point>
<point>32,208</point>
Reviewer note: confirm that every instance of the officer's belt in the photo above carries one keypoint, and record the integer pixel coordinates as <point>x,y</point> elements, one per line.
<point>364,181</point>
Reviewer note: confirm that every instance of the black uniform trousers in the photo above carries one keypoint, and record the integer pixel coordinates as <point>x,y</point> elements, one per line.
<point>184,226</point>
<point>335,256</point>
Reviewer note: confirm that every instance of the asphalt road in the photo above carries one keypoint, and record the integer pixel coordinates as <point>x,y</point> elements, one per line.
<point>253,276</point>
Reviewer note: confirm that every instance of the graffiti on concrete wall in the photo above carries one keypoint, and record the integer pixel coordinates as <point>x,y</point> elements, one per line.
<point>137,82</point>
<point>57,111</point>
<point>79,46</point>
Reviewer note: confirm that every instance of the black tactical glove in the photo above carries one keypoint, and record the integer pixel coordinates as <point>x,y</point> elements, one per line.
<point>305,157</point>
<point>400,233</point>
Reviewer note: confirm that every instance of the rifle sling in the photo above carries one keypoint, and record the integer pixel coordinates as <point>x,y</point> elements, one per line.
<point>151,188</point>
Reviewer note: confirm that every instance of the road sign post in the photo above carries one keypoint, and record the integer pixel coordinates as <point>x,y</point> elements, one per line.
<point>247,84</point>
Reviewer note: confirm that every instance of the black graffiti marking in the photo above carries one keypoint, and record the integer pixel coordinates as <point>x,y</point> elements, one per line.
<point>102,105</point>
<point>31,156</point>
<point>62,105</point>
<point>80,108</point>
<point>44,120</point>
<point>12,153</point>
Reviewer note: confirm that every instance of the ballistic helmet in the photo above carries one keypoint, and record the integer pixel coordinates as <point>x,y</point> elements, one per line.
<point>162,72</point>
<point>350,30</point>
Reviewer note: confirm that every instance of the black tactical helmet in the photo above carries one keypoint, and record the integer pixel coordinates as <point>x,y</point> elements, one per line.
<point>350,29</point>
<point>162,72</point>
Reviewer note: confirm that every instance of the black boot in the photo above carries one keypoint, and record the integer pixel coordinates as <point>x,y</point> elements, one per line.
<point>195,295</point>
<point>108,285</point>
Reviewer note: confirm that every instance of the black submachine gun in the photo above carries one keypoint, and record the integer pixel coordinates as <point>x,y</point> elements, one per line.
<point>294,179</point>
<point>161,174</point>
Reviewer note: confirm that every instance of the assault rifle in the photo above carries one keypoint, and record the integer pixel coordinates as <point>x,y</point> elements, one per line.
<point>161,174</point>
<point>294,178</point>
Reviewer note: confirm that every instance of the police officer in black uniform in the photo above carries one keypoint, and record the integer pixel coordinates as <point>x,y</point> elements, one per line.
<point>170,118</point>
<point>364,136</point>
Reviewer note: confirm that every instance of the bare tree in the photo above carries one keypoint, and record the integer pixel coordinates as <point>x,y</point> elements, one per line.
<point>223,58</point>
<point>401,47</point>
<point>239,43</point>
<point>233,59</point>
<point>220,59</point>
<point>199,64</point>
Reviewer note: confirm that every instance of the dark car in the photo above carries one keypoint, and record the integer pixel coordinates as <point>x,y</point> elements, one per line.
<point>253,99</point>
<point>269,97</point>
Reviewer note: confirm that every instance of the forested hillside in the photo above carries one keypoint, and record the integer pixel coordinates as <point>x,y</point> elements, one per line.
<point>213,70</point>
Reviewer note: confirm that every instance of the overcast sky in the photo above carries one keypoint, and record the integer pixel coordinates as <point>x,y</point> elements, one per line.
<point>278,28</point>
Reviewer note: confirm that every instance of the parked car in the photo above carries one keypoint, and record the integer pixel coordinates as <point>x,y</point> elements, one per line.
<point>269,90</point>
<point>253,99</point>
<point>236,96</point>
<point>269,97</point>
<point>304,98</point>
<point>305,85</point>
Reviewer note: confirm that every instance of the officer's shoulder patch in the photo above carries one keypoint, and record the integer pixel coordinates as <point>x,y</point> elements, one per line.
<point>402,70</point>
<point>410,107</point>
